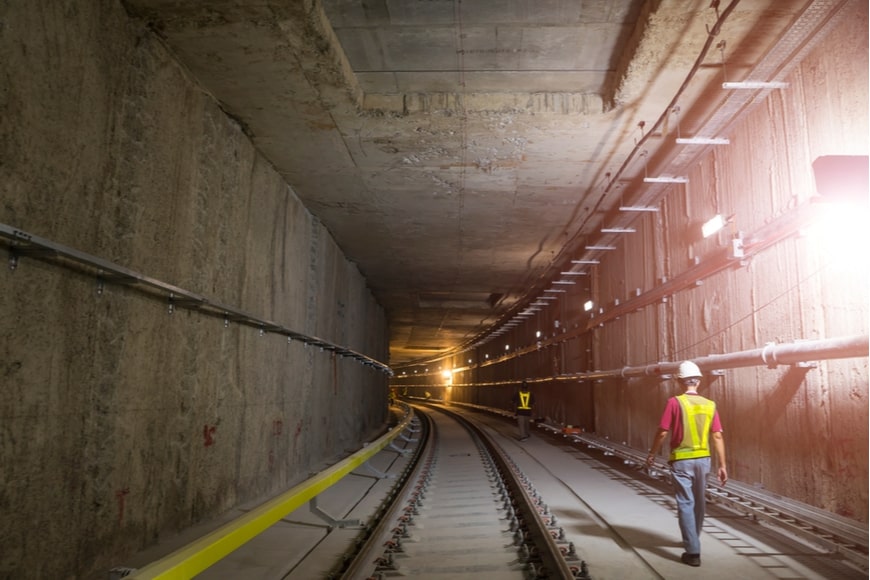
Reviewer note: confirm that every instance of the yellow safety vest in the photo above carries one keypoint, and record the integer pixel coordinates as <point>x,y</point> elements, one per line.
<point>697,416</point>
<point>524,400</point>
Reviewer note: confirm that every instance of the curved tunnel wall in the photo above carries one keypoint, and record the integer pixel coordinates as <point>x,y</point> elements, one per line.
<point>120,423</point>
<point>799,431</point>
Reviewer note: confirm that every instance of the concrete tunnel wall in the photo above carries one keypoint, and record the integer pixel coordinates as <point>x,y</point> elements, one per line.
<point>798,432</point>
<point>122,424</point>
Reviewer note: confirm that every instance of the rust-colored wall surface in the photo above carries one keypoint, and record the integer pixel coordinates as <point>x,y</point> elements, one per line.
<point>664,293</point>
<point>797,431</point>
<point>120,423</point>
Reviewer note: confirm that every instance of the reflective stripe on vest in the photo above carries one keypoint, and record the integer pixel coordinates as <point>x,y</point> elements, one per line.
<point>697,414</point>
<point>524,400</point>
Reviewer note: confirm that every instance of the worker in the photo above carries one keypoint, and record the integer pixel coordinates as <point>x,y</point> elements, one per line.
<point>523,401</point>
<point>693,422</point>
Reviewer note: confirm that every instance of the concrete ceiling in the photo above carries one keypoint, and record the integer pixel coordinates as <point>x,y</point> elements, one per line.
<point>461,153</point>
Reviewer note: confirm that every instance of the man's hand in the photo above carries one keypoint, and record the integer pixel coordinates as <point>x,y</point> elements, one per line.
<point>723,475</point>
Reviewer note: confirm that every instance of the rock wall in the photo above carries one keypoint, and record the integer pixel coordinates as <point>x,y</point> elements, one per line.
<point>121,422</point>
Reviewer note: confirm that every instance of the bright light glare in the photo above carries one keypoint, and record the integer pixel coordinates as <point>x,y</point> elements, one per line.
<point>712,226</point>
<point>840,233</point>
<point>587,306</point>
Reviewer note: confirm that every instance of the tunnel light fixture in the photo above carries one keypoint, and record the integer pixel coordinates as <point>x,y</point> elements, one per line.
<point>547,298</point>
<point>587,306</point>
<point>703,141</point>
<point>618,230</point>
<point>755,85</point>
<point>540,304</point>
<point>637,208</point>
<point>601,248</point>
<point>713,225</point>
<point>555,290</point>
<point>572,273</point>
<point>585,261</point>
<point>666,179</point>
<point>564,282</point>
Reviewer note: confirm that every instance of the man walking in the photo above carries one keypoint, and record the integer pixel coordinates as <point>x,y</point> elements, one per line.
<point>523,402</point>
<point>693,423</point>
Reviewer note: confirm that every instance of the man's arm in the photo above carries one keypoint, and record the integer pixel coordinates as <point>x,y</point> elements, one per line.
<point>719,448</point>
<point>660,436</point>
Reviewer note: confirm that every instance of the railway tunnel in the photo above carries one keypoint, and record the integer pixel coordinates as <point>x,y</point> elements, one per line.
<point>232,229</point>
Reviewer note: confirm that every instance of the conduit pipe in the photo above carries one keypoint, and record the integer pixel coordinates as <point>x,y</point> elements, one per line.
<point>771,355</point>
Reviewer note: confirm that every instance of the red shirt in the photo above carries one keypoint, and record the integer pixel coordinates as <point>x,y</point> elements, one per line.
<point>672,420</point>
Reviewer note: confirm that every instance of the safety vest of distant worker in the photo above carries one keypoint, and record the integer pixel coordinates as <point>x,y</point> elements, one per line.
<point>524,402</point>
<point>697,414</point>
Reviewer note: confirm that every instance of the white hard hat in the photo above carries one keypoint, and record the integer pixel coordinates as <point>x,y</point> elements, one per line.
<point>688,369</point>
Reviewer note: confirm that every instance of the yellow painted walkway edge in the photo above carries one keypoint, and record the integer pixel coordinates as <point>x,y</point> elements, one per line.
<point>195,557</point>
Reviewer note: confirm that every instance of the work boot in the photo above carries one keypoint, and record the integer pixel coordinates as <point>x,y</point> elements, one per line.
<point>691,559</point>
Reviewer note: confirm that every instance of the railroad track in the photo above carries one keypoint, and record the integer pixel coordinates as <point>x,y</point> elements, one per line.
<point>464,510</point>
<point>475,502</point>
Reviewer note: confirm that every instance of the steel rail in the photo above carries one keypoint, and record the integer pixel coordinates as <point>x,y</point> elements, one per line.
<point>824,529</point>
<point>407,495</point>
<point>554,564</point>
<point>21,243</point>
<point>831,531</point>
<point>361,563</point>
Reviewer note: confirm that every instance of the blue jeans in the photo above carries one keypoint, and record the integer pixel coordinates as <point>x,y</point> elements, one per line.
<point>690,485</point>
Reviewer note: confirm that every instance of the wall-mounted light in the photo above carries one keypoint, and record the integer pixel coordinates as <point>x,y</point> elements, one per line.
<point>572,273</point>
<point>755,85</point>
<point>507,347</point>
<point>548,298</point>
<point>666,179</point>
<point>552,290</point>
<point>538,334</point>
<point>703,141</point>
<point>713,225</point>
<point>585,261</point>
<point>587,306</point>
<point>637,208</point>
<point>601,248</point>
<point>618,230</point>
<point>844,178</point>
<point>564,282</point>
